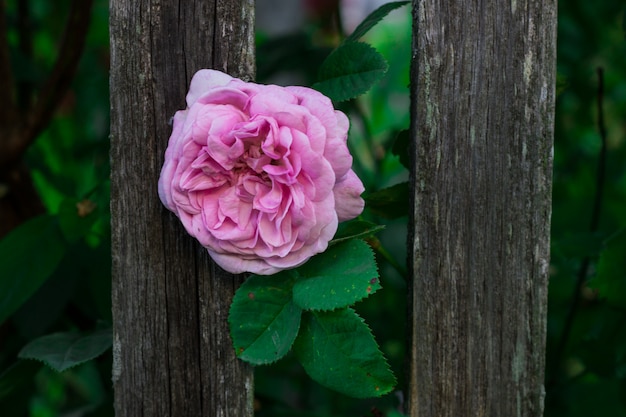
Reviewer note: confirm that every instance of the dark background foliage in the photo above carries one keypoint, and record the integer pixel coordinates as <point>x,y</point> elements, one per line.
<point>68,164</point>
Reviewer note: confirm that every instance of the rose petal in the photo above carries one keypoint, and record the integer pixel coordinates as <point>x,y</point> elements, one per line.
<point>260,175</point>
<point>203,81</point>
<point>348,201</point>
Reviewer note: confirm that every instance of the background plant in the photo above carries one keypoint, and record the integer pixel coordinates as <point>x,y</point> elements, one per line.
<point>68,163</point>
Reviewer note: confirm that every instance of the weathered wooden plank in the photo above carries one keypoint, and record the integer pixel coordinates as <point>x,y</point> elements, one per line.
<point>483,80</point>
<point>172,350</point>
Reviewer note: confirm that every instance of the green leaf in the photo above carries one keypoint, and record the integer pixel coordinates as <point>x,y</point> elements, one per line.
<point>61,351</point>
<point>350,70</point>
<point>344,274</point>
<point>28,256</point>
<point>374,17</point>
<point>337,349</point>
<point>76,218</point>
<point>263,319</point>
<point>401,147</point>
<point>355,229</point>
<point>391,202</point>
<point>611,277</point>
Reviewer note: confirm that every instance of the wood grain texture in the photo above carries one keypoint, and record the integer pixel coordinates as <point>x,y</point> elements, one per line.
<point>172,351</point>
<point>483,79</point>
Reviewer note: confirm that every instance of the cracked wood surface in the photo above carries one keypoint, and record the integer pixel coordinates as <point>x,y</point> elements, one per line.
<point>172,350</point>
<point>483,81</point>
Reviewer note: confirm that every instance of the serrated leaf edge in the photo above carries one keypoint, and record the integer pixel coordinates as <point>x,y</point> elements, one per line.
<point>325,310</point>
<point>294,274</point>
<point>345,97</point>
<point>319,84</point>
<point>352,45</point>
<point>352,303</point>
<point>361,235</point>
<point>277,358</point>
<point>67,368</point>
<point>378,351</point>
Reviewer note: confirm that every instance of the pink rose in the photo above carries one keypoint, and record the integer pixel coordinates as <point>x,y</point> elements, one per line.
<point>259,174</point>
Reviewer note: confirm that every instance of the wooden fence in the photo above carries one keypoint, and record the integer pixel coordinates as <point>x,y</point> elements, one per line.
<point>482,84</point>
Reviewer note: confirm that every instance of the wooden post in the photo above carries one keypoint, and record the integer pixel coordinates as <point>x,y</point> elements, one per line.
<point>172,351</point>
<point>483,81</point>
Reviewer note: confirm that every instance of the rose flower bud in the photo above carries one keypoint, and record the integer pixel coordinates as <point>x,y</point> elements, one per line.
<point>259,174</point>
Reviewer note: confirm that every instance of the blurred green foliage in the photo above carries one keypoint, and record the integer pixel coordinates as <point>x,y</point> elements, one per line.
<point>586,344</point>
<point>586,357</point>
<point>69,164</point>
